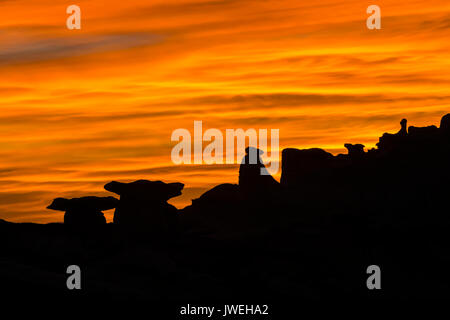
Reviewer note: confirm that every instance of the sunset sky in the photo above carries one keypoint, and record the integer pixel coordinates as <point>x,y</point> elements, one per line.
<point>80,108</point>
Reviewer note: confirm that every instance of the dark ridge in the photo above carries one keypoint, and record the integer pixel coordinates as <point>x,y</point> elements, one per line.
<point>311,236</point>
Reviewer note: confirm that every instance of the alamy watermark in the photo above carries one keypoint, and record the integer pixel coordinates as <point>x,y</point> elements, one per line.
<point>74,20</point>
<point>374,280</point>
<point>374,20</point>
<point>214,153</point>
<point>74,280</point>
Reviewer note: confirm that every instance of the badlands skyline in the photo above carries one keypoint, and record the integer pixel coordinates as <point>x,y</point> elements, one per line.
<point>84,107</point>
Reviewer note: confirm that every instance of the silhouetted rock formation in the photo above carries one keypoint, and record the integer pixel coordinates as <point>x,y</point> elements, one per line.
<point>403,131</point>
<point>389,141</point>
<point>355,151</point>
<point>217,211</point>
<point>445,123</point>
<point>331,218</point>
<point>84,212</point>
<point>222,193</point>
<point>300,166</point>
<point>253,175</point>
<point>427,133</point>
<point>230,210</point>
<point>144,204</point>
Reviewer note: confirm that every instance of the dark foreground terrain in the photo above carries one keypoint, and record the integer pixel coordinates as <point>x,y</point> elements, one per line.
<point>311,236</point>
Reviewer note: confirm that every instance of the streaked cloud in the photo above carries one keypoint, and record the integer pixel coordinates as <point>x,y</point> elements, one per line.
<point>81,108</point>
<point>58,48</point>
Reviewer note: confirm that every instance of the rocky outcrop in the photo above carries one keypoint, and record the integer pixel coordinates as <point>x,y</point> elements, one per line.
<point>230,210</point>
<point>445,123</point>
<point>355,151</point>
<point>253,175</point>
<point>389,141</point>
<point>215,211</point>
<point>219,194</point>
<point>143,204</point>
<point>85,211</point>
<point>299,166</point>
<point>429,132</point>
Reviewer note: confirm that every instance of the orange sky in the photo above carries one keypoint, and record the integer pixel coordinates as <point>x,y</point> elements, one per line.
<point>80,108</point>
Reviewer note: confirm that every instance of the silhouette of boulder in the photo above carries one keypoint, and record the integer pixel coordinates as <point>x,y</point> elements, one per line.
<point>355,151</point>
<point>253,175</point>
<point>445,123</point>
<point>144,204</point>
<point>216,199</point>
<point>299,166</point>
<point>85,211</point>
<point>225,211</point>
<point>422,140</point>
<point>220,194</point>
<point>422,132</point>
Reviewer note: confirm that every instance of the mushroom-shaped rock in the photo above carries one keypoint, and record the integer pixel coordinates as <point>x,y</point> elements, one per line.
<point>355,151</point>
<point>157,190</point>
<point>143,203</point>
<point>85,211</point>
<point>253,175</point>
